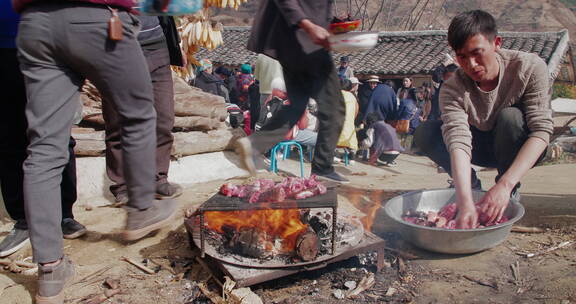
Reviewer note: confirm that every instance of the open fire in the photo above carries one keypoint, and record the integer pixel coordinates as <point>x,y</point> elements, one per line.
<point>240,225</point>
<point>277,230</point>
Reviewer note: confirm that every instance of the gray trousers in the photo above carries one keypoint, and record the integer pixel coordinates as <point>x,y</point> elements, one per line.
<point>161,75</point>
<point>60,45</point>
<point>497,148</point>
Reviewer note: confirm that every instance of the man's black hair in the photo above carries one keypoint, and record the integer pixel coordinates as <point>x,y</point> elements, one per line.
<point>468,24</point>
<point>345,84</point>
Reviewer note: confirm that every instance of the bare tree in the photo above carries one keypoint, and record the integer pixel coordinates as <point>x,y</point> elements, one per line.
<point>372,13</point>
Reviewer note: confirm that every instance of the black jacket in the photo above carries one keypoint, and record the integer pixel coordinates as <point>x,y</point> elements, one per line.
<point>209,83</point>
<point>172,40</point>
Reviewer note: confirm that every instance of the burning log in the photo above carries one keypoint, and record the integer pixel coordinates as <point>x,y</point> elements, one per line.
<point>248,242</point>
<point>307,246</point>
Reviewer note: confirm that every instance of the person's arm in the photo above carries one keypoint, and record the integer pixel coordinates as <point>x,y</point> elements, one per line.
<point>494,202</point>
<point>458,140</point>
<point>536,108</point>
<point>461,171</point>
<point>296,17</point>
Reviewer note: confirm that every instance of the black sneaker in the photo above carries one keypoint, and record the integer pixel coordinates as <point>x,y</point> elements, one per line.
<point>15,240</point>
<point>71,229</point>
<point>168,190</point>
<point>334,176</point>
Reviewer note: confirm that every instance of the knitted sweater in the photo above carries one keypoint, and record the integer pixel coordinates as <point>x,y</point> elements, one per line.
<point>523,82</point>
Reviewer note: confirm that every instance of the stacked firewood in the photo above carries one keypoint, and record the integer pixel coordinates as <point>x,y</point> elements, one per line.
<point>199,125</point>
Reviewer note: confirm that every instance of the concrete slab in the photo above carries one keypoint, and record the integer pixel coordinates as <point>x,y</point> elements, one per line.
<point>93,183</point>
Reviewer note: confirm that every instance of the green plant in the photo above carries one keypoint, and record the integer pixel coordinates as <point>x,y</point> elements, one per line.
<point>561,90</point>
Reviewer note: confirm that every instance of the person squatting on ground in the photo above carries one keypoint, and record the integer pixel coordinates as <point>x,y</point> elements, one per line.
<point>380,140</point>
<point>60,44</point>
<point>294,32</point>
<point>445,74</point>
<point>495,113</point>
<point>159,41</point>
<point>14,142</point>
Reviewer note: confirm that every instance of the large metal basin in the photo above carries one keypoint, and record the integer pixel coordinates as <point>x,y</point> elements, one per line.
<point>452,241</point>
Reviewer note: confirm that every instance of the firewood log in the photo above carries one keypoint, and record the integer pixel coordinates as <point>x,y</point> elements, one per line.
<point>307,246</point>
<point>89,147</point>
<point>197,123</point>
<point>190,143</point>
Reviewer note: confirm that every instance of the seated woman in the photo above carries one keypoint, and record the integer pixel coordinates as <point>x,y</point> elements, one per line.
<point>305,132</point>
<point>381,140</point>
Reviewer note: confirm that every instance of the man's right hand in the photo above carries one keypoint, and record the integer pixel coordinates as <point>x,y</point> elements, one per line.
<point>318,34</point>
<point>467,217</point>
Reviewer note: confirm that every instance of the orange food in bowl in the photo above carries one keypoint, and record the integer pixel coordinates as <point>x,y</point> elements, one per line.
<point>344,27</point>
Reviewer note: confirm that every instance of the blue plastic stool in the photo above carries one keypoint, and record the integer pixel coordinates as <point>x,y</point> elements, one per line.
<point>346,159</point>
<point>286,145</point>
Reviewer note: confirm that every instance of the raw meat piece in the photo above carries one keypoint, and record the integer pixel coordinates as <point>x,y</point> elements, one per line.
<point>276,194</point>
<point>449,211</point>
<point>445,218</point>
<point>265,190</point>
<point>228,189</point>
<point>432,216</point>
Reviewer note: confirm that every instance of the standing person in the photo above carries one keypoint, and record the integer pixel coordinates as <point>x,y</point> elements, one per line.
<point>13,144</point>
<point>344,70</point>
<point>160,44</point>
<point>382,100</point>
<point>229,80</point>
<point>355,83</point>
<point>266,70</point>
<point>407,89</point>
<point>364,92</point>
<point>347,139</point>
<point>294,32</point>
<point>446,73</point>
<point>57,52</point>
<point>243,83</point>
<point>495,113</point>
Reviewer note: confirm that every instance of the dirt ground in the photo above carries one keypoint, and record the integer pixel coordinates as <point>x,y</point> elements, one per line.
<point>412,276</point>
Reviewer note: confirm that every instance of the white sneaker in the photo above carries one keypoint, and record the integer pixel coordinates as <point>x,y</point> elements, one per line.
<point>337,160</point>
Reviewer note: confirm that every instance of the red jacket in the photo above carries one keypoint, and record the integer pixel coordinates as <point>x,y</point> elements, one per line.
<point>19,5</point>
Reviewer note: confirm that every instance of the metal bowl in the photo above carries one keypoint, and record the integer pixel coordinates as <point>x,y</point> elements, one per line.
<point>452,241</point>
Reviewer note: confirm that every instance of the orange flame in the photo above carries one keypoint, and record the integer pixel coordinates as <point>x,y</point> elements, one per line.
<point>284,224</point>
<point>367,201</point>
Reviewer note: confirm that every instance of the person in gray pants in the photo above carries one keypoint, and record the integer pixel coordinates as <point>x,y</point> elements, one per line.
<point>60,44</point>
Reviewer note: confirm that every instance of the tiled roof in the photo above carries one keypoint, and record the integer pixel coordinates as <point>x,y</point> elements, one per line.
<point>403,53</point>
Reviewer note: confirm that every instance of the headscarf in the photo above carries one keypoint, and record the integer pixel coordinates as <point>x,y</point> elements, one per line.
<point>246,69</point>
<point>204,65</point>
